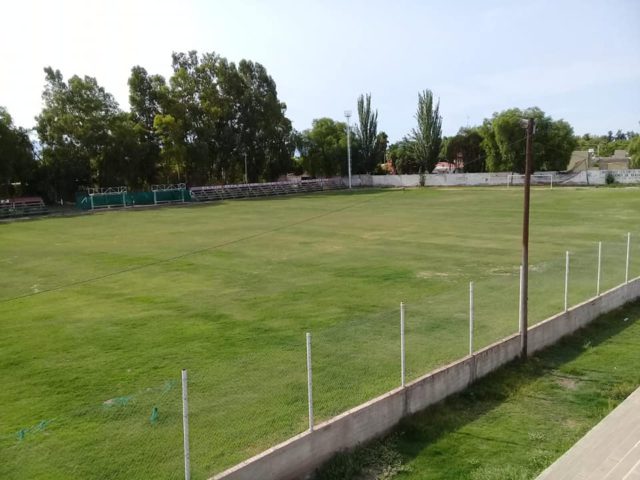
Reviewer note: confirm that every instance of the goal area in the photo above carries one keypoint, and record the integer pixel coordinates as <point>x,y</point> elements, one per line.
<point>110,197</point>
<point>537,179</point>
<point>169,193</point>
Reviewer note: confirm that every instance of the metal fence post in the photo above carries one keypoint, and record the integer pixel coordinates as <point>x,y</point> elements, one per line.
<point>626,271</point>
<point>566,282</point>
<point>599,267</point>
<point>309,382</point>
<point>185,426</point>
<point>402,351</point>
<point>471,313</point>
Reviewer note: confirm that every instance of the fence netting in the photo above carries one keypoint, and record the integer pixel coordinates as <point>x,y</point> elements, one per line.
<point>126,432</point>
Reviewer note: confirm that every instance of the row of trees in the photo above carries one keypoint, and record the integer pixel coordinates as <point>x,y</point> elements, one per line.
<point>322,149</point>
<point>495,146</point>
<point>606,145</point>
<point>214,121</point>
<point>199,127</point>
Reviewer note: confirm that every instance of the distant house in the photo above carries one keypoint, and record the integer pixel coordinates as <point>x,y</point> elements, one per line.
<point>578,159</point>
<point>618,161</point>
<point>447,167</point>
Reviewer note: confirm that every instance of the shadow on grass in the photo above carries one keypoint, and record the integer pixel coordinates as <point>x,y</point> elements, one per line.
<point>386,457</point>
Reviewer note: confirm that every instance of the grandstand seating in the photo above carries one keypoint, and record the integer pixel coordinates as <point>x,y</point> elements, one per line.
<point>22,206</point>
<point>223,192</point>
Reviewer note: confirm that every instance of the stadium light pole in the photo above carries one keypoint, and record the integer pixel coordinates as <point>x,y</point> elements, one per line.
<point>347,113</point>
<point>529,124</point>
<point>246,173</point>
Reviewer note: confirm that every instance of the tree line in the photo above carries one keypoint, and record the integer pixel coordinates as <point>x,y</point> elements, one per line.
<point>213,121</point>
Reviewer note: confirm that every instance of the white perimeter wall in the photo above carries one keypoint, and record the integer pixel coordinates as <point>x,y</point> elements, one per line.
<point>595,177</point>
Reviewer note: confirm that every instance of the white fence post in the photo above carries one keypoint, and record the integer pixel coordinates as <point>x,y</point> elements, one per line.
<point>185,426</point>
<point>566,282</point>
<point>599,267</point>
<point>626,271</point>
<point>402,360</point>
<point>521,304</point>
<point>309,382</point>
<point>471,313</point>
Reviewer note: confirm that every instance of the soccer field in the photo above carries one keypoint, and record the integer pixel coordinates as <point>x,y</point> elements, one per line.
<point>99,313</point>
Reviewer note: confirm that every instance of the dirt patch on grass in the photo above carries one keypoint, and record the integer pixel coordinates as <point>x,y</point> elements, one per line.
<point>567,382</point>
<point>434,274</point>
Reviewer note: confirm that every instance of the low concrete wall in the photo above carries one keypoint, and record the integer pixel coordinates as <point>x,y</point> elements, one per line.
<point>552,329</point>
<point>592,177</point>
<point>299,456</point>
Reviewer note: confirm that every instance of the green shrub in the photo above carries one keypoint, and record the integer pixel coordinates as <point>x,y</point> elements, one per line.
<point>610,179</point>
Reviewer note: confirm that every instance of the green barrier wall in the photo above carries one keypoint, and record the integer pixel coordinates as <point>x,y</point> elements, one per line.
<point>83,200</point>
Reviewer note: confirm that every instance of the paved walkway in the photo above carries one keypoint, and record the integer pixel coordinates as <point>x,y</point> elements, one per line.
<point>610,451</point>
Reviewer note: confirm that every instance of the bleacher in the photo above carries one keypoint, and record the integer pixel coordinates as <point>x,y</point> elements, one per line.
<point>248,190</point>
<point>22,207</point>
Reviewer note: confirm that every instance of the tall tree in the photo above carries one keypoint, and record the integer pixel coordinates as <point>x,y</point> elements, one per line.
<point>467,144</point>
<point>634,151</point>
<point>17,161</point>
<point>148,97</point>
<point>504,141</point>
<point>402,155</point>
<point>427,137</point>
<point>367,132</point>
<point>74,129</point>
<point>380,149</point>
<point>324,148</point>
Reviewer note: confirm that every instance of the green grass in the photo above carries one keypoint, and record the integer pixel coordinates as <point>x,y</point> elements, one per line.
<point>100,312</point>
<point>517,421</point>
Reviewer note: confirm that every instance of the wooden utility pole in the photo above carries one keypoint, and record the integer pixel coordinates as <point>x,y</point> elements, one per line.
<point>524,286</point>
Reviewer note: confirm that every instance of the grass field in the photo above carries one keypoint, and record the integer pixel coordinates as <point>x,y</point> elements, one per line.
<point>100,312</point>
<point>516,422</point>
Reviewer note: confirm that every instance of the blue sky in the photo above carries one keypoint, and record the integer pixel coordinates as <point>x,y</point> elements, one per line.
<point>577,60</point>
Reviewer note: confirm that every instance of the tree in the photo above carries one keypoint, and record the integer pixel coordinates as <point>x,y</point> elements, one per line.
<point>634,151</point>
<point>504,141</point>
<point>402,155</point>
<point>17,161</point>
<point>367,133</point>
<point>380,149</point>
<point>555,143</point>
<point>323,148</point>
<point>75,132</point>
<point>265,130</point>
<point>148,97</point>
<point>467,144</point>
<point>427,137</point>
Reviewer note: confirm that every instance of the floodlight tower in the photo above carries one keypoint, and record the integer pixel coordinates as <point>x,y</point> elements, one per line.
<point>347,113</point>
